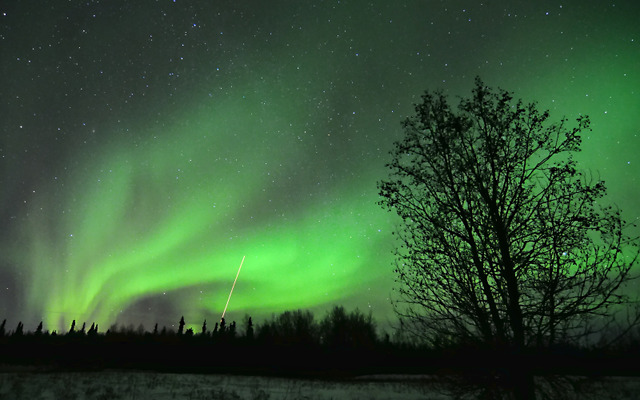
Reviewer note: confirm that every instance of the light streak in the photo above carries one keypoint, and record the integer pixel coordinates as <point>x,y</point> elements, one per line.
<point>234,285</point>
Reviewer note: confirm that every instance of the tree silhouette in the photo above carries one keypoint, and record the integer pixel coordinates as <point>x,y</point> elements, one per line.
<point>19,329</point>
<point>72,330</point>
<point>249,328</point>
<point>504,241</point>
<point>39,329</point>
<point>290,327</point>
<point>334,328</point>
<point>2,327</point>
<point>181,326</point>
<point>342,329</point>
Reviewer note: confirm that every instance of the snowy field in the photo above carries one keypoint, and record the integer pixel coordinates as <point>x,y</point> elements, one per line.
<point>108,385</point>
<point>150,385</point>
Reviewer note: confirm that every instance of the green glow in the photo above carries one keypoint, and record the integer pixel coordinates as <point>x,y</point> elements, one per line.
<point>164,217</point>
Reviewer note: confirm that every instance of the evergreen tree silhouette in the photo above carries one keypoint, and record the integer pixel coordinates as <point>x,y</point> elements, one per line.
<point>39,329</point>
<point>155,329</point>
<point>204,328</point>
<point>181,328</point>
<point>84,325</point>
<point>19,329</point>
<point>73,327</point>
<point>4,322</point>
<point>189,332</point>
<point>93,330</point>
<point>215,328</point>
<point>249,332</point>
<point>232,329</point>
<point>223,325</point>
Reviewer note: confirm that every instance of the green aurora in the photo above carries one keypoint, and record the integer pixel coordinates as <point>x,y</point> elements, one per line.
<point>147,148</point>
<point>185,216</point>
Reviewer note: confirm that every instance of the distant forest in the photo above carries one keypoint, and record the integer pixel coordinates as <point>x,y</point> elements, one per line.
<point>293,343</point>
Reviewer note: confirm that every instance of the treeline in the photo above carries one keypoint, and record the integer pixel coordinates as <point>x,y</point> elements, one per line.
<point>293,342</point>
<point>339,328</point>
<point>340,344</point>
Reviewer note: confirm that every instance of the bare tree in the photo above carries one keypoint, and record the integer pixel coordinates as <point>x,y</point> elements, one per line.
<point>504,241</point>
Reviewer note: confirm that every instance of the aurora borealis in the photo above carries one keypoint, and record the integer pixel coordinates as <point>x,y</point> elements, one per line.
<point>147,146</point>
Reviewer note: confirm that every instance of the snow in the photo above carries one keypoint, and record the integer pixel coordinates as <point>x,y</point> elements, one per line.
<point>158,386</point>
<point>139,385</point>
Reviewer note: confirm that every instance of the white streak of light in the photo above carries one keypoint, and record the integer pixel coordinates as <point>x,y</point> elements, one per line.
<point>234,285</point>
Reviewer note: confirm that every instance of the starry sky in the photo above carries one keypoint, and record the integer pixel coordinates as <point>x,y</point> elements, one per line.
<point>147,146</point>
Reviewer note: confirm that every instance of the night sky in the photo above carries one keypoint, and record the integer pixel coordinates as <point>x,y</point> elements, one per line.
<point>147,146</point>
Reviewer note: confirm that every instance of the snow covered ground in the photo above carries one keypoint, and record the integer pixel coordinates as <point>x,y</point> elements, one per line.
<point>150,385</point>
<point>108,385</point>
